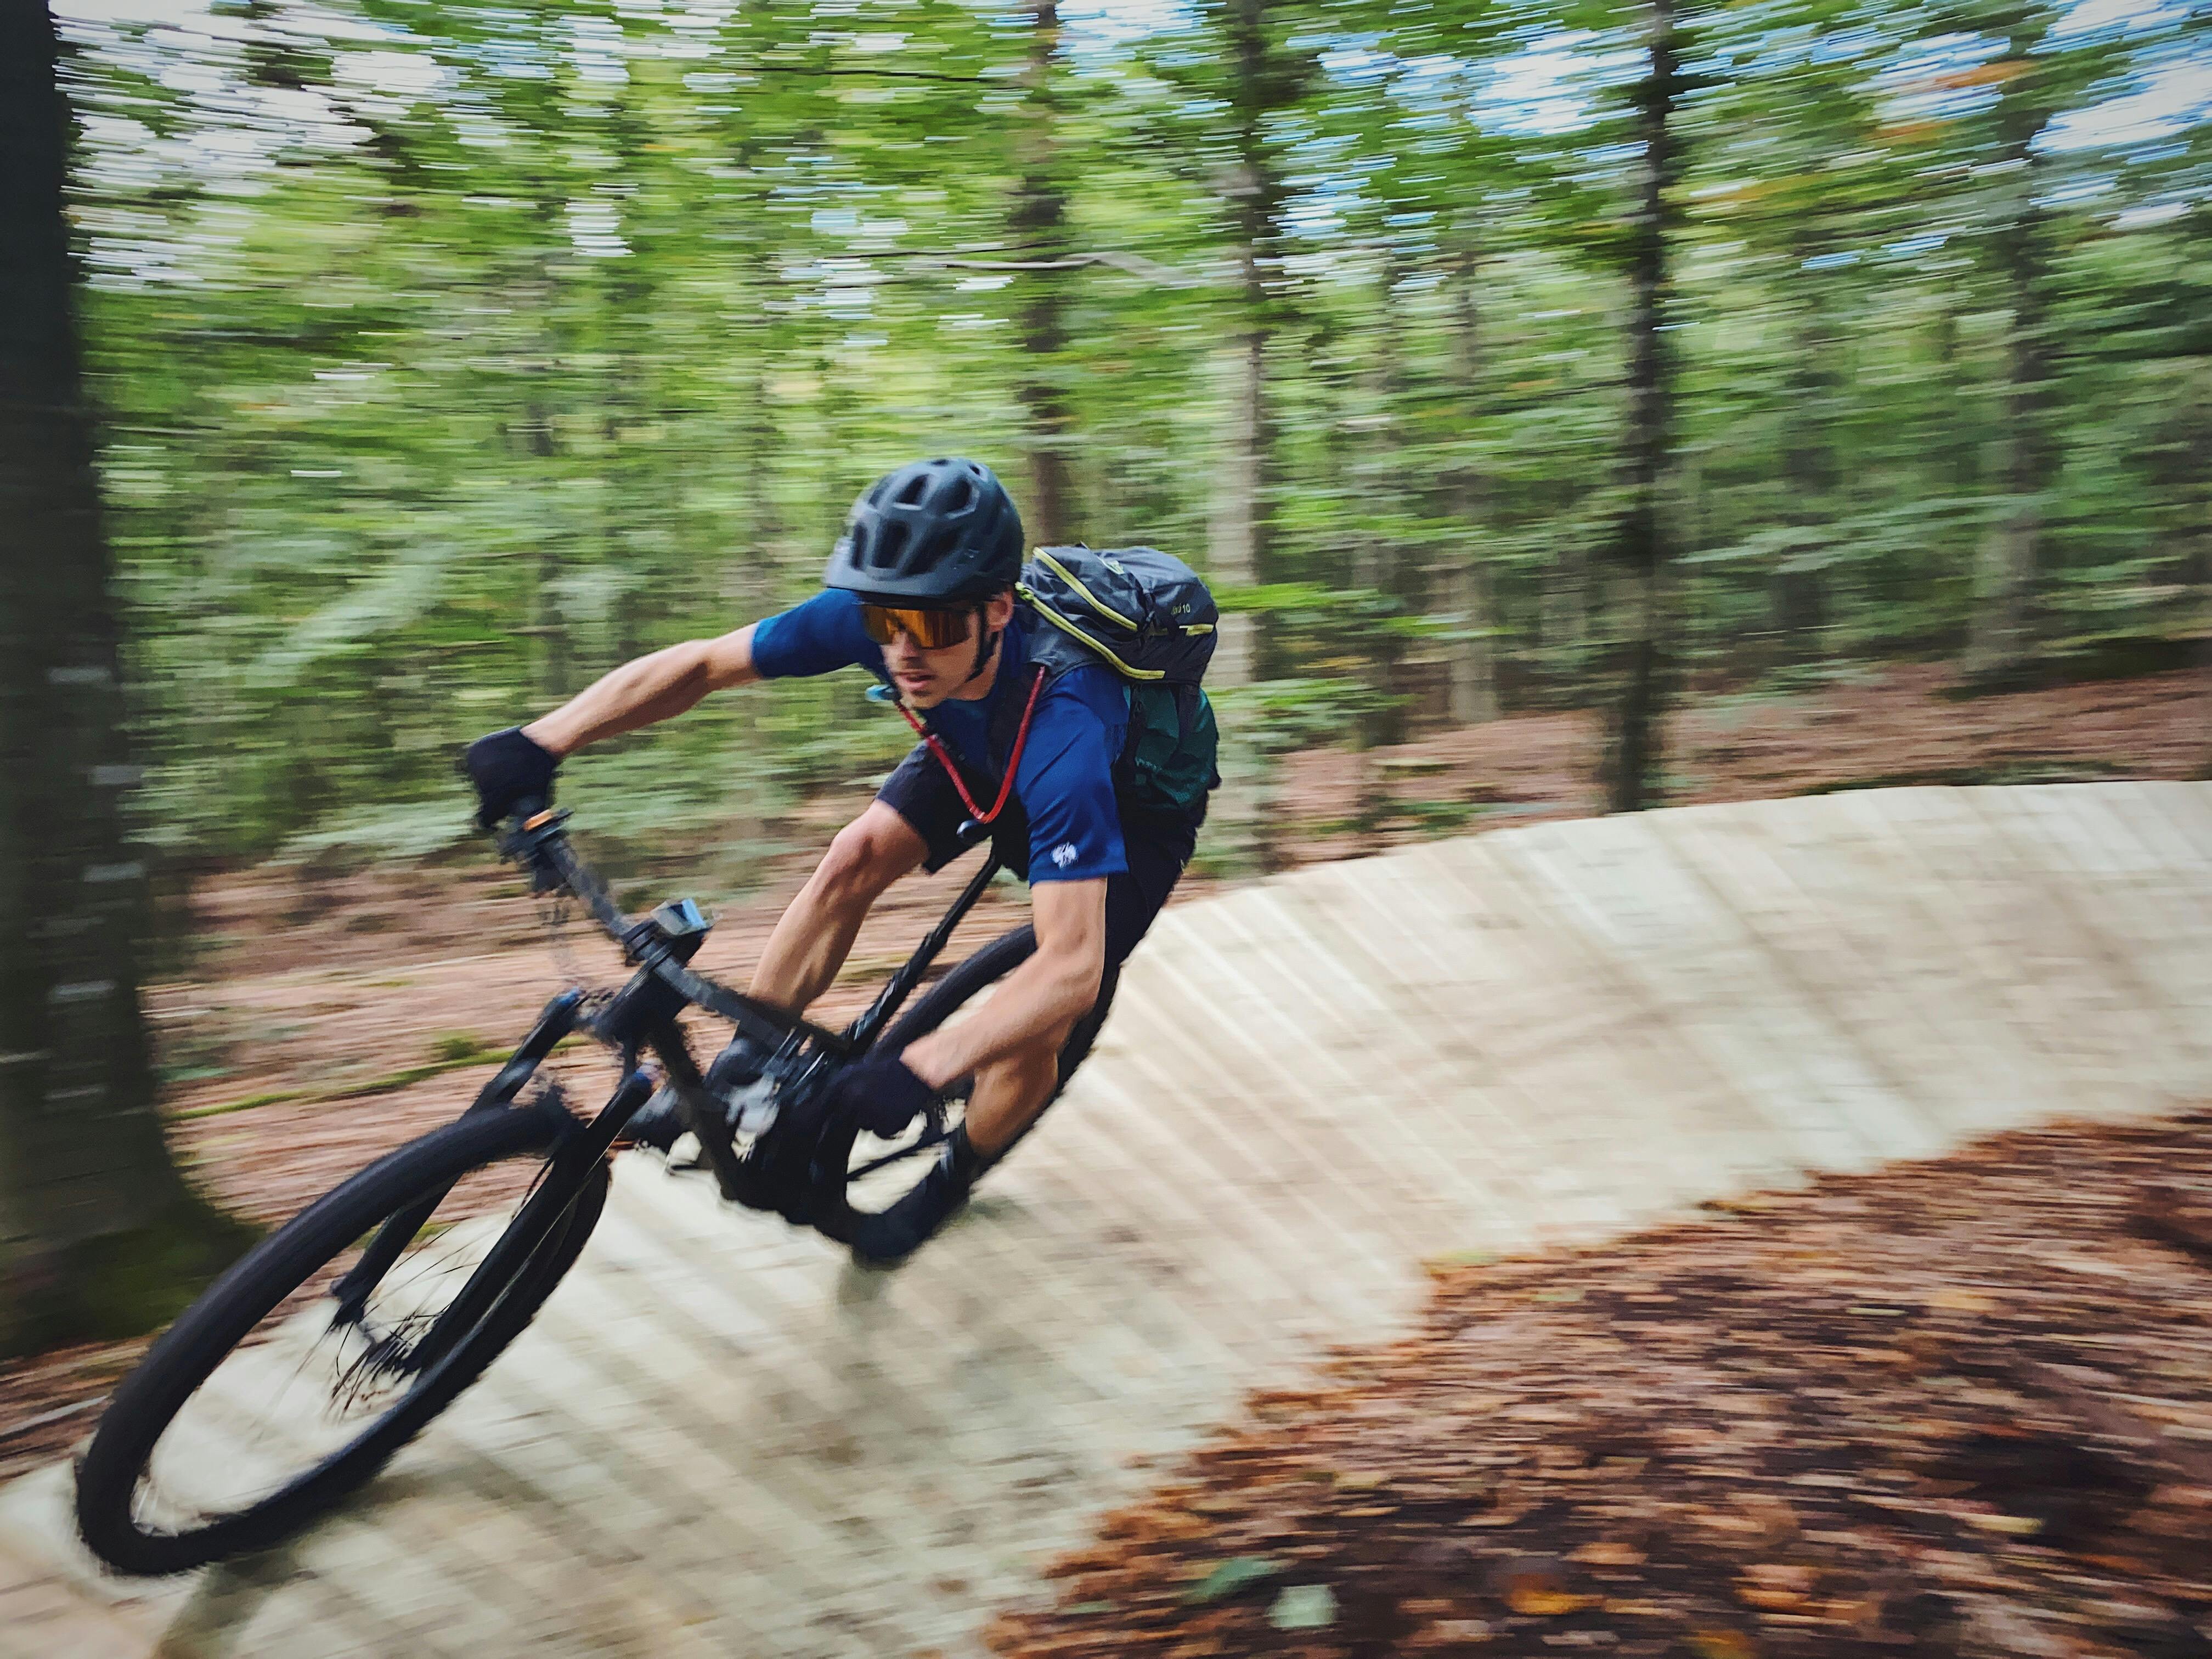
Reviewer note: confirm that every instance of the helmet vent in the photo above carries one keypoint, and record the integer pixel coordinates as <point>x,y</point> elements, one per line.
<point>961,496</point>
<point>916,488</point>
<point>888,544</point>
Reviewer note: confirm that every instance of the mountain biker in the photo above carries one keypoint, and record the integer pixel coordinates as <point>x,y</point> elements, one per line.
<point>918,592</point>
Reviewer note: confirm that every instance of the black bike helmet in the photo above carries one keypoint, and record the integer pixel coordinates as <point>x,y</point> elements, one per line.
<point>933,532</point>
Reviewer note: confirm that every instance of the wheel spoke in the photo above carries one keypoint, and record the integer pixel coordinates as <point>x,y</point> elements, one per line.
<point>313,1376</point>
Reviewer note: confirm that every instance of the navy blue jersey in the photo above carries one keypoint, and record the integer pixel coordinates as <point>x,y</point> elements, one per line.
<point>1066,780</point>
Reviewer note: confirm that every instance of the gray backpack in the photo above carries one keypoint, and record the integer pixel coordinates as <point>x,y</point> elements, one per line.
<point>1147,615</point>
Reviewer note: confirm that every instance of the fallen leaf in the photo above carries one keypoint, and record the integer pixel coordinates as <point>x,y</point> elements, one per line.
<point>1720,1520</point>
<point>1537,1586</point>
<point>1605,1554</point>
<point>1955,1298</point>
<point>2007,1526</point>
<point>1447,1632</point>
<point>1504,1516</point>
<point>1773,1587</point>
<point>1238,1572</point>
<point>1534,1602</point>
<point>1304,1606</point>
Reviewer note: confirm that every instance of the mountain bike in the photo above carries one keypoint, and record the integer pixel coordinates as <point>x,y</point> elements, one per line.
<point>336,1339</point>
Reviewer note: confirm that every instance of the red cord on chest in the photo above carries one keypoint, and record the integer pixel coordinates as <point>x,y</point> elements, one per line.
<point>952,771</point>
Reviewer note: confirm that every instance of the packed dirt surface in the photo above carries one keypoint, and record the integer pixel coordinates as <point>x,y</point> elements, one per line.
<point>329,1017</point>
<point>1961,1407</point>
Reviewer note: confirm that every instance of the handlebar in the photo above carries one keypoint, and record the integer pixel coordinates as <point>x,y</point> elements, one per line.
<point>661,943</point>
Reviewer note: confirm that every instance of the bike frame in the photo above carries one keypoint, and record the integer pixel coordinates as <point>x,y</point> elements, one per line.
<point>642,1015</point>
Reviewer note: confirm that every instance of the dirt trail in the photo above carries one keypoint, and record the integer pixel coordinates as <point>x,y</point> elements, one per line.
<point>314,1003</point>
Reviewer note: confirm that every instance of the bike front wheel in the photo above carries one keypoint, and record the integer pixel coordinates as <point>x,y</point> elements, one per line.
<point>330,1345</point>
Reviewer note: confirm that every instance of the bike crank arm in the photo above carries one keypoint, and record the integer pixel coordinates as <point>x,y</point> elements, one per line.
<point>697,1108</point>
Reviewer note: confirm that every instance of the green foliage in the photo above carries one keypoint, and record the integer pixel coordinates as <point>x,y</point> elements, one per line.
<point>450,355</point>
<point>461,1049</point>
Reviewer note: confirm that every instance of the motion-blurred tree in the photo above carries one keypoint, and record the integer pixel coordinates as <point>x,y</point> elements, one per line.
<point>1642,548</point>
<point>1039,223</point>
<point>453,350</point>
<point>99,1234</point>
<point>1263,72</point>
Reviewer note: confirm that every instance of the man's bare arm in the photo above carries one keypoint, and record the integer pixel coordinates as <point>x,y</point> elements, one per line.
<point>1050,991</point>
<point>647,690</point>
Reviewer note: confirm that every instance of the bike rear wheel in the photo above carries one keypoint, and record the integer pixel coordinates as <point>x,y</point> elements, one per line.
<point>302,1369</point>
<point>879,1172</point>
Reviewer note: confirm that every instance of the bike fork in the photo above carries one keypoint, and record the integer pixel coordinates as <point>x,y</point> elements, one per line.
<point>353,1291</point>
<point>540,1214</point>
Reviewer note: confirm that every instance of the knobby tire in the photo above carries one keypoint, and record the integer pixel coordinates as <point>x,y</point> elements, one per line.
<point>233,1307</point>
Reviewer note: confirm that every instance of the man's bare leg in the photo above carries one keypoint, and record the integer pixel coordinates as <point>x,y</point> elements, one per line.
<point>816,930</point>
<point>815,934</point>
<point>1011,1092</point>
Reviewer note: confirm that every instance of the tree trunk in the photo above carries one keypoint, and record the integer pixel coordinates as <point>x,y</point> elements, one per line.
<point>92,1212</point>
<point>1236,530</point>
<point>1630,769</point>
<point>1375,466</point>
<point>2197,547</point>
<point>2001,634</point>
<point>747,586</point>
<point>1798,591</point>
<point>1463,590</point>
<point>1239,534</point>
<point>1954,447</point>
<point>1564,621</point>
<point>1040,226</point>
<point>751,582</point>
<point>2001,637</point>
<point>547,623</point>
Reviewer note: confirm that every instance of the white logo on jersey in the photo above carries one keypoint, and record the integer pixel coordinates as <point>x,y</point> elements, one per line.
<point>1064,855</point>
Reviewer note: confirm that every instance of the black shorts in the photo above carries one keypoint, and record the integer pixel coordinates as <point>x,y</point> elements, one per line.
<point>919,791</point>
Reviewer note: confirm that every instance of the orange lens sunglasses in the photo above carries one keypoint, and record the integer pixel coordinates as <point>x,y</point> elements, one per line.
<point>932,630</point>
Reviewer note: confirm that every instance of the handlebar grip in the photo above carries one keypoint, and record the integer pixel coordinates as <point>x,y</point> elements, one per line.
<point>532,827</point>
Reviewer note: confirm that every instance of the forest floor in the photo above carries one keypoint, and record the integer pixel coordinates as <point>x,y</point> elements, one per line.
<point>327,1018</point>
<point>1862,727</point>
<point>1958,1407</point>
